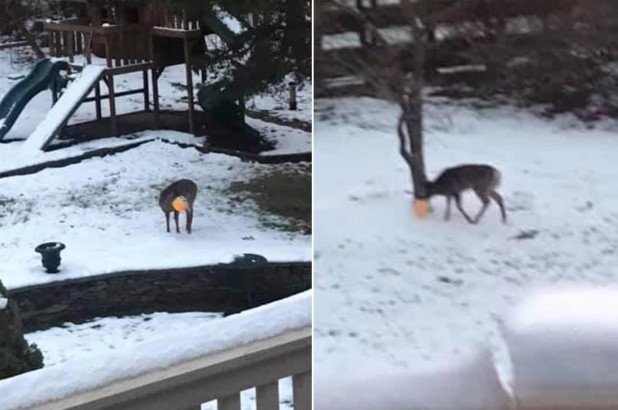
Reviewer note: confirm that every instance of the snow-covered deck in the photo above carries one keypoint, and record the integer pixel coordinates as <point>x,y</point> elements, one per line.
<point>256,347</point>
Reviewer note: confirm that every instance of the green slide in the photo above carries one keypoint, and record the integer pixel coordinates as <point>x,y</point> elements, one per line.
<point>42,76</point>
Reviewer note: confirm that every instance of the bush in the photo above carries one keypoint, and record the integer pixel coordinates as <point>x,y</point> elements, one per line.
<point>16,355</point>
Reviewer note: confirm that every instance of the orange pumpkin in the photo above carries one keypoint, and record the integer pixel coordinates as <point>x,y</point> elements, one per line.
<point>180,204</point>
<point>421,208</point>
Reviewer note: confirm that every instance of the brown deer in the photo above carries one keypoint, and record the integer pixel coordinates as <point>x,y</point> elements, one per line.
<point>177,198</point>
<point>482,179</point>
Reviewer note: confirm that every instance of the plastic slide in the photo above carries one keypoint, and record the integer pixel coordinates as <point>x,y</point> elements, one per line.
<point>60,113</point>
<point>40,78</point>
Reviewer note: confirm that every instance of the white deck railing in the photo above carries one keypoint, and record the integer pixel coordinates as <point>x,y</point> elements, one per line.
<point>221,376</point>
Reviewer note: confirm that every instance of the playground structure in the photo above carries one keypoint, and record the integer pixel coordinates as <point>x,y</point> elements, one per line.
<point>131,37</point>
<point>43,75</point>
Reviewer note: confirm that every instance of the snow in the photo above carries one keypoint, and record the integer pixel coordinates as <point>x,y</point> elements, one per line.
<point>111,334</point>
<point>230,21</point>
<point>108,335</point>
<point>409,292</point>
<point>288,140</point>
<point>72,96</point>
<point>3,303</point>
<point>114,199</point>
<point>105,211</point>
<point>563,346</point>
<point>275,101</point>
<point>462,69</point>
<point>16,158</point>
<point>98,368</point>
<point>471,384</point>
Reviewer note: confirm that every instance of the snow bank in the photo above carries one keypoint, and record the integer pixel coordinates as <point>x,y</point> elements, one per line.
<point>95,370</point>
<point>469,384</point>
<point>3,303</point>
<point>564,347</point>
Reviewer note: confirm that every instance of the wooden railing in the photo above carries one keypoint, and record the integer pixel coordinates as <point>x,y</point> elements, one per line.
<point>220,377</point>
<point>119,45</point>
<point>181,21</point>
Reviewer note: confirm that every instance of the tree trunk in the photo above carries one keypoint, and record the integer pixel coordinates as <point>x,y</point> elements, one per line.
<point>412,107</point>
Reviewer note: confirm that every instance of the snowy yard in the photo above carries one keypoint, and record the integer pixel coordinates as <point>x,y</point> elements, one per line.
<point>105,209</point>
<point>404,293</point>
<point>106,212</point>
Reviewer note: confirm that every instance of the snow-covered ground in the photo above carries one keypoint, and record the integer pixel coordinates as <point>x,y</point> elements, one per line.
<point>405,293</point>
<point>171,340</point>
<point>106,212</point>
<point>276,101</point>
<point>108,335</point>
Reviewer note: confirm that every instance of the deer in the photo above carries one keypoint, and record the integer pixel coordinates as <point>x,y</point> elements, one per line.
<point>481,178</point>
<point>177,198</point>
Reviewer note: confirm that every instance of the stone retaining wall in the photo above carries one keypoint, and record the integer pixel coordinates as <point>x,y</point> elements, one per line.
<point>216,288</point>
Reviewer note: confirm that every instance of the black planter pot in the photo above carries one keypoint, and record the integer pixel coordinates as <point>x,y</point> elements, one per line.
<point>50,255</point>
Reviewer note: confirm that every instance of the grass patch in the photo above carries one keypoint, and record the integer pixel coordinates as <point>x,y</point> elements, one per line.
<point>284,197</point>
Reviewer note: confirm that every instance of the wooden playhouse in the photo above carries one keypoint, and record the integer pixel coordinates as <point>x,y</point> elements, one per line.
<point>132,36</point>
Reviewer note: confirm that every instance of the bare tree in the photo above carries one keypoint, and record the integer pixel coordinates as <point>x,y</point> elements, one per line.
<point>574,34</point>
<point>14,17</point>
<point>392,75</point>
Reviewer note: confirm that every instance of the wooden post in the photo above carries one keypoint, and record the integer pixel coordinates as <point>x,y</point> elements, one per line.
<point>88,46</point>
<point>155,89</point>
<point>70,46</point>
<point>267,396</point>
<point>293,102</point>
<point>65,42</point>
<point>301,387</point>
<point>189,85</point>
<point>108,57</point>
<point>146,91</point>
<point>112,105</point>
<point>80,43</point>
<point>231,402</point>
<point>123,49</point>
<point>97,99</point>
<point>118,48</point>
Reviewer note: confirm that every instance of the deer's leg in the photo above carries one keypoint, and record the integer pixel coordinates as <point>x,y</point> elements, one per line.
<point>189,220</point>
<point>176,214</point>
<point>485,200</point>
<point>458,203</point>
<point>167,221</point>
<point>498,198</point>
<point>447,212</point>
